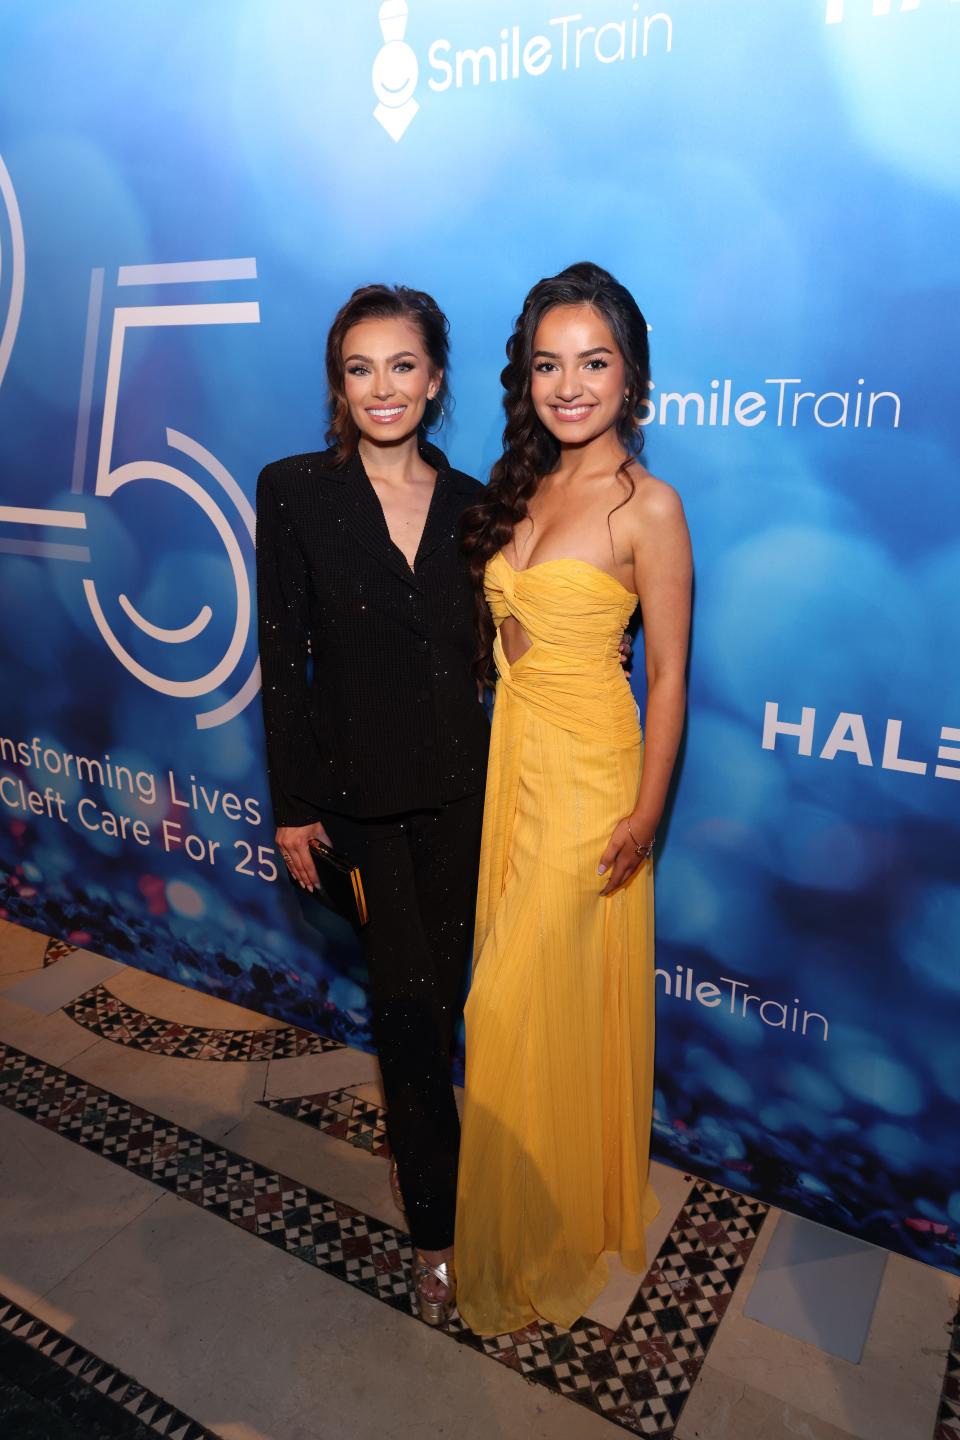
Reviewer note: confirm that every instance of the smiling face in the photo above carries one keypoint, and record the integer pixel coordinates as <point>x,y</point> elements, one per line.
<point>578,376</point>
<point>395,74</point>
<point>387,378</point>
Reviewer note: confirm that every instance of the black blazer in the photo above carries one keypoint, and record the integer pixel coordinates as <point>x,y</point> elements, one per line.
<point>369,705</point>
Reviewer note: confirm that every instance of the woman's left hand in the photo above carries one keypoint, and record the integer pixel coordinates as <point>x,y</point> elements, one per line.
<point>626,652</point>
<point>621,856</point>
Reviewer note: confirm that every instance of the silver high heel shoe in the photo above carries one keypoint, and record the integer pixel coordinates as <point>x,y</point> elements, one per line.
<point>434,1312</point>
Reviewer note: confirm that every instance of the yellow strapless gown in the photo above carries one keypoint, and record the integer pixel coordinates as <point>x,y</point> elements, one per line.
<point>554,1157</point>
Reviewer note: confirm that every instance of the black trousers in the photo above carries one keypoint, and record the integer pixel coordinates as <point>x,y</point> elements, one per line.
<point>419,875</point>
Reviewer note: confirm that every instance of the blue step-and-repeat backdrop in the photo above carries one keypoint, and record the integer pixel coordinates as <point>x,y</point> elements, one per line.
<point>187,192</point>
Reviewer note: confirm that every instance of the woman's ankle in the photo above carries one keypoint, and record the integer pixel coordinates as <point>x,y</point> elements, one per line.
<point>436,1257</point>
<point>432,1284</point>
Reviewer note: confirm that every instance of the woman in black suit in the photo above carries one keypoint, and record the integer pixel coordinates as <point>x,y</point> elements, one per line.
<point>376,737</point>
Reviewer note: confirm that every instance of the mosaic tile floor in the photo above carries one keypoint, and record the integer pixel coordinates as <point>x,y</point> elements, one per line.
<point>50,1387</point>
<point>103,1014</point>
<point>643,1371</point>
<point>637,1376</point>
<point>948,1420</point>
<point>56,949</point>
<point>338,1113</point>
<point>640,1374</point>
<point>678,1349</point>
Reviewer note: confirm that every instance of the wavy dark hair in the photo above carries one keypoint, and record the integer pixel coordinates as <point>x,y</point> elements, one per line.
<point>383,302</point>
<point>529,450</point>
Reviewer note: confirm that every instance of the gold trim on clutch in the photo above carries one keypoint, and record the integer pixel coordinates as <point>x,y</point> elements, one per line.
<point>361,899</point>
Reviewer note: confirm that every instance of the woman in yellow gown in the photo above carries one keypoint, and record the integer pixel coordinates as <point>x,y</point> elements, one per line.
<point>554,1156</point>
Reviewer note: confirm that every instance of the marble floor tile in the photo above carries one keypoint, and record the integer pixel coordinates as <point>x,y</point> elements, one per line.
<point>893,1394</point>
<point>47,990</point>
<point>327,1164</point>
<point>104,1014</point>
<point>54,1037</point>
<point>208,1098</point>
<point>9,978</point>
<point>262,1347</point>
<point>722,1408</point>
<point>639,1377</point>
<point>58,1206</point>
<point>170,1001</point>
<point>20,949</point>
<point>253,1343</point>
<point>310,1074</point>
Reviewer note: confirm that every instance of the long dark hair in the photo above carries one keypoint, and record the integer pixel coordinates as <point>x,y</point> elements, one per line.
<point>383,302</point>
<point>529,449</point>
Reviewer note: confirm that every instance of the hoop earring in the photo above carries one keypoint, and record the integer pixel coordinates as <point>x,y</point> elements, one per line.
<point>443,417</point>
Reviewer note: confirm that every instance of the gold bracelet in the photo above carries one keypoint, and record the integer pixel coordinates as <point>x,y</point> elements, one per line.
<point>645,850</point>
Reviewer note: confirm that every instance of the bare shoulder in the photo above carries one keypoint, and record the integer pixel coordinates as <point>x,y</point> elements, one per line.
<point>654,504</point>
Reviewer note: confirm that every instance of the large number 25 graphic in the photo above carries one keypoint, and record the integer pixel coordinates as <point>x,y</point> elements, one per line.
<point>110,478</point>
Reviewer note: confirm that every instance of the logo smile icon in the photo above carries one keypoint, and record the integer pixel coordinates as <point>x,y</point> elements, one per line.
<point>395,71</point>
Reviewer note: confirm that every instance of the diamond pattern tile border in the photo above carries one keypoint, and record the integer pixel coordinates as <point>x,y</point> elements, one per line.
<point>122,1406</point>
<point>638,1376</point>
<point>101,1012</point>
<point>948,1416</point>
<point>340,1114</point>
<point>56,949</point>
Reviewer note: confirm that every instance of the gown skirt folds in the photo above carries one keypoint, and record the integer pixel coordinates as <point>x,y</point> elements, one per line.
<point>554,1157</point>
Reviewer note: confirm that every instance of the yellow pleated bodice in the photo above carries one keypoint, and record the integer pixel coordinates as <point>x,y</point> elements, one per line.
<point>559,1021</point>
<point>574,614</point>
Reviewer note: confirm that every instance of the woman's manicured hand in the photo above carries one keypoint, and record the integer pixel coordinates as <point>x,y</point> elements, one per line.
<point>620,856</point>
<point>293,842</point>
<point>626,653</point>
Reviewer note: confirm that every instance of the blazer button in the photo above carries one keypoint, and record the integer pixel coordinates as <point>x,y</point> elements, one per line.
<point>423,644</point>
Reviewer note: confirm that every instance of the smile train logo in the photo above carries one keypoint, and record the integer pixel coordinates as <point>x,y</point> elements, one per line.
<point>395,71</point>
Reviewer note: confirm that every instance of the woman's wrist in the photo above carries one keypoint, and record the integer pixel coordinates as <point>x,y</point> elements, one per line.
<point>642,840</point>
<point>643,826</point>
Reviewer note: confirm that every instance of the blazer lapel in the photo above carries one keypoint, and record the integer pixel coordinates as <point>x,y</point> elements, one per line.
<point>443,516</point>
<point>363,513</point>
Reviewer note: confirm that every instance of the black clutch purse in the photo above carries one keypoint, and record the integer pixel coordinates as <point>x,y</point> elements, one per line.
<point>341,888</point>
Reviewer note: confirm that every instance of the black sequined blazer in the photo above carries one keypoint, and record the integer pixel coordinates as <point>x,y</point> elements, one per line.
<point>369,705</point>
